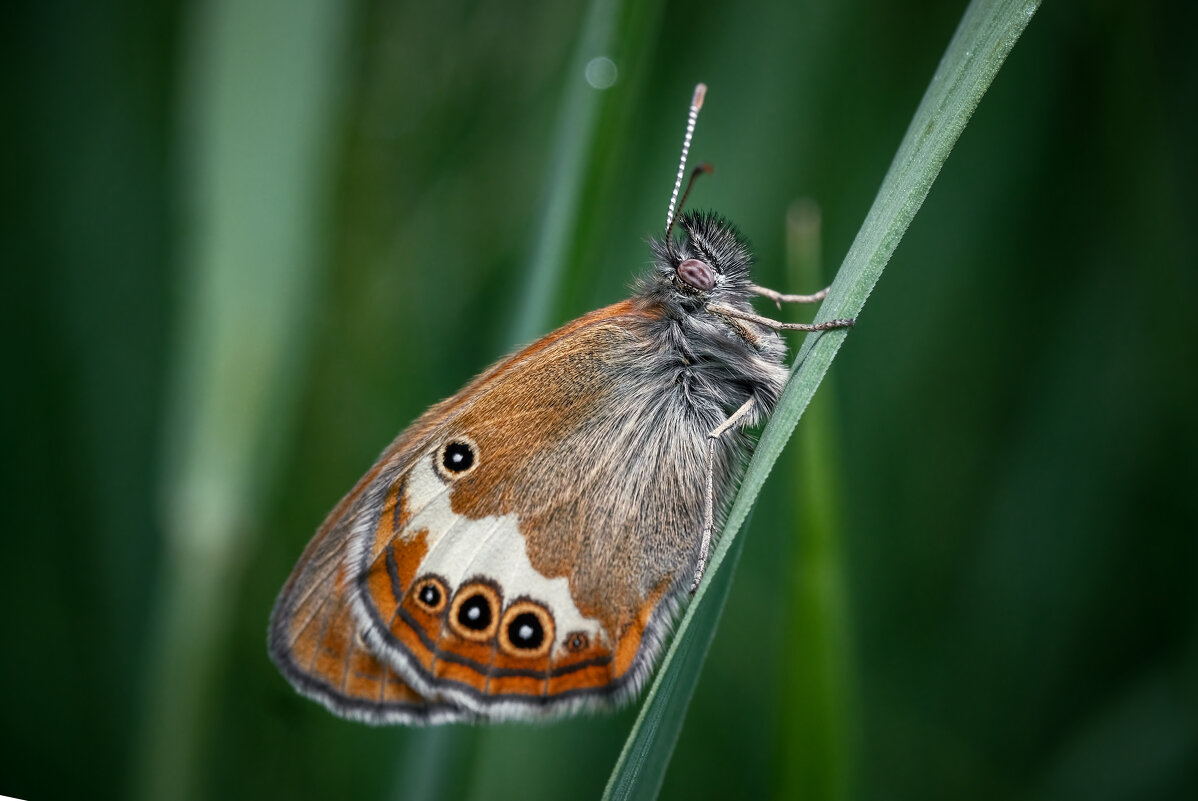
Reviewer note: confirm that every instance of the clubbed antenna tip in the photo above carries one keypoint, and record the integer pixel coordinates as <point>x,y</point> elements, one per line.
<point>696,104</point>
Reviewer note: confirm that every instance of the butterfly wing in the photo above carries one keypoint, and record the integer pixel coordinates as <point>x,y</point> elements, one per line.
<point>321,654</point>
<point>525,558</point>
<point>314,639</point>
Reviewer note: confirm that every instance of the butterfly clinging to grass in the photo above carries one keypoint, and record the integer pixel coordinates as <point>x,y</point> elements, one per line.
<point>520,550</point>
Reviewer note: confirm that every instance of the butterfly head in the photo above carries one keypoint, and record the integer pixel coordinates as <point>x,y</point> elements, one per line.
<point>709,262</point>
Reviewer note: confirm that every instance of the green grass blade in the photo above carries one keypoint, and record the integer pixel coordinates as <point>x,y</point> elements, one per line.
<point>980,45</point>
<point>641,767</point>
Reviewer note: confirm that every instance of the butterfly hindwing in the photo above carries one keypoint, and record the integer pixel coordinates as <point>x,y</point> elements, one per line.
<point>507,565</point>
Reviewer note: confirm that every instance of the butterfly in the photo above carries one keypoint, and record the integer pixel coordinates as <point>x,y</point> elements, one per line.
<point>522,548</point>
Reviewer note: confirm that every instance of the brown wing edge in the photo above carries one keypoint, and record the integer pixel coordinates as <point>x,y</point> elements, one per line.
<point>417,711</point>
<point>318,578</point>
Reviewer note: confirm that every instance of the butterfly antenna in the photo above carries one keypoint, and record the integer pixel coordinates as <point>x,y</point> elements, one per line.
<point>696,104</point>
<point>702,169</point>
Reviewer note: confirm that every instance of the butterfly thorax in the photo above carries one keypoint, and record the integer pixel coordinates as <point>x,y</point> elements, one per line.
<point>727,361</point>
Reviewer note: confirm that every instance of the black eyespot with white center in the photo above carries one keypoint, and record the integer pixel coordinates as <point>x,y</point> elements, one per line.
<point>577,641</point>
<point>456,458</point>
<point>430,593</point>
<point>526,631</point>
<point>474,613</point>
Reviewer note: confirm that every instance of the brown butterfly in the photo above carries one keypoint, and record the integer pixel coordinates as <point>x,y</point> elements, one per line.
<point>521,549</point>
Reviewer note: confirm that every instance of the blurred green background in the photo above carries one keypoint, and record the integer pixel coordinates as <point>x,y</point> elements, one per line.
<point>247,243</point>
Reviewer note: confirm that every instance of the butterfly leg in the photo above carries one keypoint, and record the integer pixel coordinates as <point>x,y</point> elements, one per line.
<point>779,298</point>
<point>728,311</point>
<point>709,505</point>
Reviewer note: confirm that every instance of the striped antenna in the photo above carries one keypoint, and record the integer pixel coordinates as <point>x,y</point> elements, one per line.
<point>696,104</point>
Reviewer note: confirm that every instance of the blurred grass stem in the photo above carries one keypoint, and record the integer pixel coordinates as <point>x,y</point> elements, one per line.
<point>818,715</point>
<point>589,123</point>
<point>255,146</point>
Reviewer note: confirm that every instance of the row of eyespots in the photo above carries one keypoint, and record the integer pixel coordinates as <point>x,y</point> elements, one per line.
<point>525,628</point>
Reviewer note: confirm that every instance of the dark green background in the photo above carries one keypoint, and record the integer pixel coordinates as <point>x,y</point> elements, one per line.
<point>1013,418</point>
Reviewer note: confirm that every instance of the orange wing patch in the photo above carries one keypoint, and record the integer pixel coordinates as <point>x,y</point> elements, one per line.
<point>491,668</point>
<point>316,646</point>
<point>585,666</point>
<point>393,518</point>
<point>393,566</point>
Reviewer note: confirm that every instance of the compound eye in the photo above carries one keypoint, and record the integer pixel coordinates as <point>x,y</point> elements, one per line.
<point>697,274</point>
